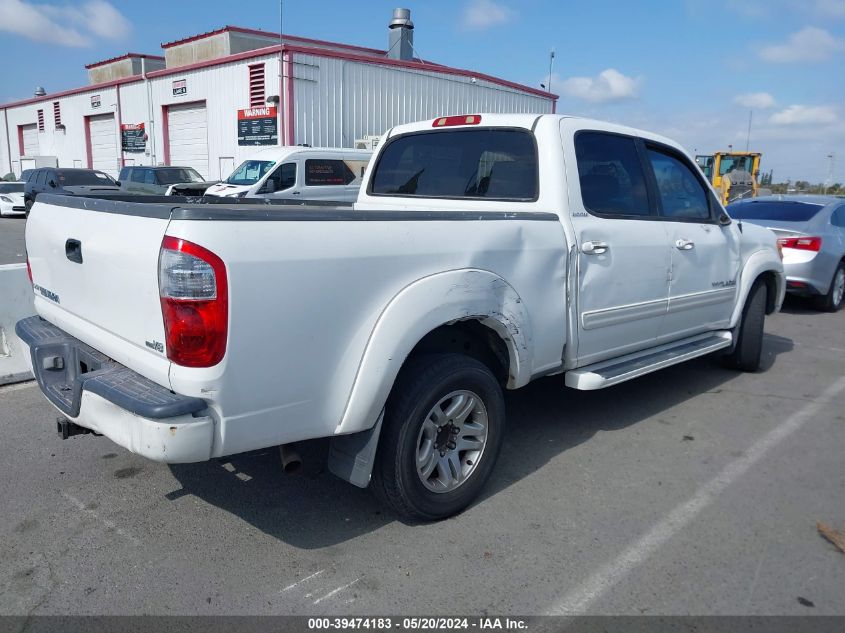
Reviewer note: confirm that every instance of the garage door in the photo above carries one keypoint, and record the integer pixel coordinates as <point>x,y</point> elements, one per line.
<point>30,139</point>
<point>187,127</point>
<point>102,133</point>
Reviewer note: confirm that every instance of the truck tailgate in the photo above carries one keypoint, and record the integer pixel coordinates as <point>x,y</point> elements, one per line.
<point>95,273</point>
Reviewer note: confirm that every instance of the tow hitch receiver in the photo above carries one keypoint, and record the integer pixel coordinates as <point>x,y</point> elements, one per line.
<point>68,429</point>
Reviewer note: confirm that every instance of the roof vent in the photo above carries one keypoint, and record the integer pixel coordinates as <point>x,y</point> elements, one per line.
<point>39,91</point>
<point>401,44</point>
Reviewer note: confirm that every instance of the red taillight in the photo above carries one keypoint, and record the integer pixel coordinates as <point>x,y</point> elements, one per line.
<point>463,119</point>
<point>194,303</point>
<point>801,243</point>
<point>28,269</point>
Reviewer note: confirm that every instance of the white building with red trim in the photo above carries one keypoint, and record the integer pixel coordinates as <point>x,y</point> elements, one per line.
<point>211,98</point>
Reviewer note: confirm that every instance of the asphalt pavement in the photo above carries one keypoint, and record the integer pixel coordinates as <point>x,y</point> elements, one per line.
<point>12,245</point>
<point>695,490</point>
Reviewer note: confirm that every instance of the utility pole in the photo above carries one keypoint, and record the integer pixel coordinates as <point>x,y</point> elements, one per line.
<point>748,135</point>
<point>281,122</point>
<point>551,65</point>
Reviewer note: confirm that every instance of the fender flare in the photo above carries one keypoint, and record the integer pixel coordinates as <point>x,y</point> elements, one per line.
<point>421,307</point>
<point>759,262</point>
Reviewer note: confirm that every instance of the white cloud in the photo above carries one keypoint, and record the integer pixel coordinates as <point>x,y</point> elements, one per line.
<point>755,100</point>
<point>65,25</point>
<point>608,85</point>
<point>805,115</point>
<point>483,14</point>
<point>772,9</point>
<point>810,44</point>
<point>831,8</point>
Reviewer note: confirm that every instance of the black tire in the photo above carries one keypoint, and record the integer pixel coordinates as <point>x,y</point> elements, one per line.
<point>421,385</point>
<point>828,302</point>
<point>748,352</point>
<point>27,205</point>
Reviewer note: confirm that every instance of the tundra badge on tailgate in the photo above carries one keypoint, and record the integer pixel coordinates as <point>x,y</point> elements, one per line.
<point>49,294</point>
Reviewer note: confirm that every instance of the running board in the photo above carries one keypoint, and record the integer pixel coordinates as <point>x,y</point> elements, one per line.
<point>616,370</point>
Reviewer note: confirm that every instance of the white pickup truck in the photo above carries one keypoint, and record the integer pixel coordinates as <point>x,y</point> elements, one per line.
<point>484,251</point>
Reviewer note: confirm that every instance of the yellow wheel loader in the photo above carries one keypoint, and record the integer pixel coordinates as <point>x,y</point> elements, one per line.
<point>733,174</point>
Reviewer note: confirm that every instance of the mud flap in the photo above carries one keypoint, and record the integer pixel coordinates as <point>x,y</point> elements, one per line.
<point>351,457</point>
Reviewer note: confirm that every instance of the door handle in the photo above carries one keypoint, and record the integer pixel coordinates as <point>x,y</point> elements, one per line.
<point>73,251</point>
<point>594,248</point>
<point>684,245</point>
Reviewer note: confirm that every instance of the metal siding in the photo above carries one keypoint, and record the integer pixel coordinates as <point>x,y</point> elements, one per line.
<point>67,145</point>
<point>337,101</point>
<point>225,89</point>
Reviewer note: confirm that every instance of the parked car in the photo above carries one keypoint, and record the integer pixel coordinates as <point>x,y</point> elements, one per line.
<point>11,199</point>
<point>297,172</point>
<point>66,181</point>
<point>811,232</point>
<point>25,175</point>
<point>163,181</point>
<point>484,251</point>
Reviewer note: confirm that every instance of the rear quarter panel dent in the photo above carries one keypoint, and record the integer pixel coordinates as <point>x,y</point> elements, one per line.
<point>423,306</point>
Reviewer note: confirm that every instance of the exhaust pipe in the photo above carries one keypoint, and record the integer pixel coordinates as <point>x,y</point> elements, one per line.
<point>291,461</point>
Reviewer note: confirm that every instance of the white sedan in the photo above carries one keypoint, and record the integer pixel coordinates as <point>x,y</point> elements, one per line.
<point>11,199</point>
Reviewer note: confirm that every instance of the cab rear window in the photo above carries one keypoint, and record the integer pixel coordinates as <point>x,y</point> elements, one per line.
<point>493,164</point>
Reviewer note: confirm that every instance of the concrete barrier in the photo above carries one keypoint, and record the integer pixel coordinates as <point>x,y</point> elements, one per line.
<point>15,304</point>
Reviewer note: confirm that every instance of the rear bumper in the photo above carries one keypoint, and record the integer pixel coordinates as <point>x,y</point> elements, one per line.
<point>100,394</point>
<point>807,278</point>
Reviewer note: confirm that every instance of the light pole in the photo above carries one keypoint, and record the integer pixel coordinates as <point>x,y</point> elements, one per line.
<point>280,121</point>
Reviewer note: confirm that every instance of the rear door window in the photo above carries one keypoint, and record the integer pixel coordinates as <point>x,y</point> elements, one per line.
<point>680,192</point>
<point>495,164</point>
<point>326,172</point>
<point>611,175</point>
<point>150,177</point>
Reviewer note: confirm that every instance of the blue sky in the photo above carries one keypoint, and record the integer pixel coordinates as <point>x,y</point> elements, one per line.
<point>688,69</point>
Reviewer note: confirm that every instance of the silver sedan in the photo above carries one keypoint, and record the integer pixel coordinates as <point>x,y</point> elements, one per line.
<point>811,235</point>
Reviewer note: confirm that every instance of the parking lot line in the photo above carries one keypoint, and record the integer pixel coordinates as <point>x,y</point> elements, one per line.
<point>336,591</point>
<point>306,579</point>
<point>108,523</point>
<point>579,600</point>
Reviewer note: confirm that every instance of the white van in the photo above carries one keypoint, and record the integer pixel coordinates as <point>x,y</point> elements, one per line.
<point>297,172</point>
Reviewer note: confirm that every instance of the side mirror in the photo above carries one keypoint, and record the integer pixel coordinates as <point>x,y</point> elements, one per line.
<point>724,219</point>
<point>269,186</point>
<point>117,183</point>
<point>52,183</point>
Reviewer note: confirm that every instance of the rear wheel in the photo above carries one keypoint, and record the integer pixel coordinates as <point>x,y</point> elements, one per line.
<point>442,433</point>
<point>748,351</point>
<point>831,301</point>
